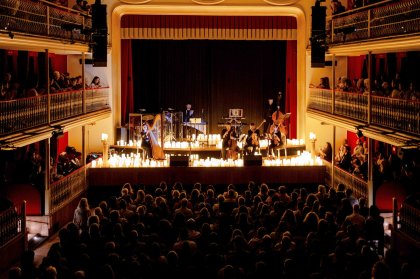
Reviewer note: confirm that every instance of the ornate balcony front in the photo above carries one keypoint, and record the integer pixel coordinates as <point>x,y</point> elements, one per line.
<point>396,114</point>
<point>28,113</point>
<point>44,19</point>
<point>385,20</point>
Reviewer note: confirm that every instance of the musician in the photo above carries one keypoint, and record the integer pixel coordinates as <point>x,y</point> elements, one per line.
<point>145,141</point>
<point>277,140</point>
<point>268,112</point>
<point>228,136</point>
<point>188,113</point>
<point>252,140</point>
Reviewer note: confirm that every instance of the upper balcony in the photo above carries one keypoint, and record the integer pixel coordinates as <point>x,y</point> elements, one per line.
<point>26,23</point>
<point>384,26</point>
<point>26,120</point>
<point>387,119</point>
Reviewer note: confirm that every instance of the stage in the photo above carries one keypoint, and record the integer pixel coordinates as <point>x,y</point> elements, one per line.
<point>272,175</point>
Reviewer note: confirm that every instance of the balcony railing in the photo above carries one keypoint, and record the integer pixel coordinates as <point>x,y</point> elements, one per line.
<point>358,185</point>
<point>67,188</point>
<point>397,114</point>
<point>409,220</point>
<point>42,18</point>
<point>12,223</point>
<point>382,20</point>
<point>21,114</point>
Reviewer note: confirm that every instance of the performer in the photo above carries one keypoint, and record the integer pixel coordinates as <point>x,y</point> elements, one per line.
<point>188,113</point>
<point>268,112</point>
<point>230,148</point>
<point>277,140</point>
<point>145,141</point>
<point>252,141</point>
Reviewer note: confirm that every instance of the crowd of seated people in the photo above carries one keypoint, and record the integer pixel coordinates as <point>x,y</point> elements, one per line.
<point>68,161</point>
<point>384,87</point>
<point>10,89</point>
<point>63,82</point>
<point>261,232</point>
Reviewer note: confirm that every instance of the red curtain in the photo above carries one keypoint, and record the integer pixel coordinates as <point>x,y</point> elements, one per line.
<point>291,82</point>
<point>127,98</point>
<point>355,67</point>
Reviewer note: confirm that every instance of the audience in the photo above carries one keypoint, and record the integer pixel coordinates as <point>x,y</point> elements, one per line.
<point>275,236</point>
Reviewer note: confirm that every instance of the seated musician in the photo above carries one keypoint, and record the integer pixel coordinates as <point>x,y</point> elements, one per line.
<point>145,141</point>
<point>277,140</point>
<point>229,145</point>
<point>252,140</point>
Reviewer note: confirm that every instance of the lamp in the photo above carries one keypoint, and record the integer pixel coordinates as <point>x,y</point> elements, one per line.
<point>312,138</point>
<point>105,148</point>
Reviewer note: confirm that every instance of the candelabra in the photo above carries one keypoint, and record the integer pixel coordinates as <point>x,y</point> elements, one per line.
<point>312,138</point>
<point>105,149</point>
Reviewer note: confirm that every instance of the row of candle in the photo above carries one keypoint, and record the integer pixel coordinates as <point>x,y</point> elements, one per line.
<point>135,160</point>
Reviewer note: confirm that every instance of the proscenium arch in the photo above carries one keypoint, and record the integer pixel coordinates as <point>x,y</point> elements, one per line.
<point>217,10</point>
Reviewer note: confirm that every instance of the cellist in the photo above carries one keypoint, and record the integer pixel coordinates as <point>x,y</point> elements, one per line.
<point>229,142</point>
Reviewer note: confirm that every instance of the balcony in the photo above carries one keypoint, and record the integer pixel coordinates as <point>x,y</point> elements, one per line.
<point>28,113</point>
<point>357,184</point>
<point>385,20</point>
<point>44,19</point>
<point>396,114</point>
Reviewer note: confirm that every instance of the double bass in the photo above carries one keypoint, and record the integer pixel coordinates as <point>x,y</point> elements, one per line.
<point>278,118</point>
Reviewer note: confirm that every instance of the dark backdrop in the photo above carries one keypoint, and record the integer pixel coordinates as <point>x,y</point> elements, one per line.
<point>212,75</point>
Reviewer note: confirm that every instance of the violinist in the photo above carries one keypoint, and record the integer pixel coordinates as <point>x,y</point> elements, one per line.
<point>252,141</point>
<point>229,142</point>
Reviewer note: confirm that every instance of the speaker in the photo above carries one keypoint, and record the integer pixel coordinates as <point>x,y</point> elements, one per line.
<point>253,160</point>
<point>178,161</point>
<point>121,134</point>
<point>99,50</point>
<point>99,17</point>
<point>317,55</point>
<point>318,36</point>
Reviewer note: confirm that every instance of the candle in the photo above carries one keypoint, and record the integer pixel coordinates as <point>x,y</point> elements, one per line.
<point>312,136</point>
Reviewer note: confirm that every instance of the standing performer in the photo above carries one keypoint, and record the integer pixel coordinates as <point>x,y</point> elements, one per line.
<point>230,148</point>
<point>268,112</point>
<point>188,113</point>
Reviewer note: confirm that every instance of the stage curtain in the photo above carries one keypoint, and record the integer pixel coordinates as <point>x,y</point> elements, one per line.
<point>127,99</point>
<point>355,67</point>
<point>291,90</point>
<point>213,75</point>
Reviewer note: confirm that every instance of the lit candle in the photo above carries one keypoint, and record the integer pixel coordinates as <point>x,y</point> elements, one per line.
<point>312,136</point>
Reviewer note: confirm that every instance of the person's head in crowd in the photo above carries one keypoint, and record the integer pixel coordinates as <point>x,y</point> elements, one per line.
<point>15,273</point>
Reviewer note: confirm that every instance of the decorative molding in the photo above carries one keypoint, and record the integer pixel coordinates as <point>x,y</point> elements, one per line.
<point>208,2</point>
<point>133,2</point>
<point>281,2</point>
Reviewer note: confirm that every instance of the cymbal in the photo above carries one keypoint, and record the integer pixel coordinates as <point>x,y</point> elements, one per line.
<point>148,117</point>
